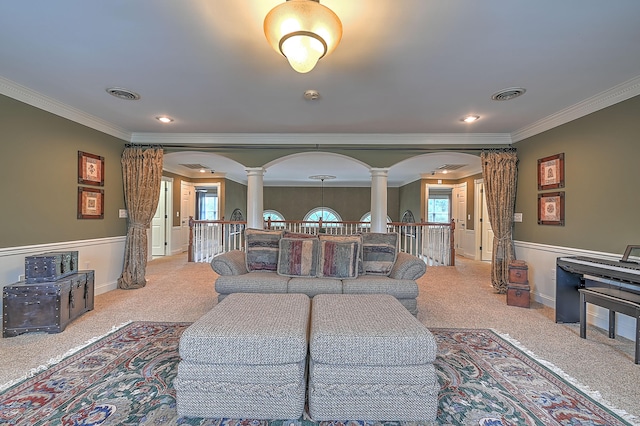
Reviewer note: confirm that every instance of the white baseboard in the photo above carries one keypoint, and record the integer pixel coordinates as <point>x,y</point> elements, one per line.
<point>103,255</point>
<point>106,287</point>
<point>541,261</point>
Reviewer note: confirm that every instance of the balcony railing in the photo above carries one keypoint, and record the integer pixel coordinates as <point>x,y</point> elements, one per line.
<point>432,242</point>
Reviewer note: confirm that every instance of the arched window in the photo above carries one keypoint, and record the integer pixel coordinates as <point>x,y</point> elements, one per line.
<point>274,215</point>
<point>407,217</point>
<point>328,215</point>
<point>367,218</point>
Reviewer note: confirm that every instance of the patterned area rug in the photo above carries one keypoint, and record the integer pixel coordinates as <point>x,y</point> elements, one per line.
<point>126,379</point>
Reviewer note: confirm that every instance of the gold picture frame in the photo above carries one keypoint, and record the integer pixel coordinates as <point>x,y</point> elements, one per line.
<point>90,203</point>
<point>551,172</point>
<point>90,169</point>
<point>551,208</point>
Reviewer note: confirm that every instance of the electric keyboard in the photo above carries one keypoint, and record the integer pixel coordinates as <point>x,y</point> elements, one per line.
<point>627,272</point>
<point>576,272</point>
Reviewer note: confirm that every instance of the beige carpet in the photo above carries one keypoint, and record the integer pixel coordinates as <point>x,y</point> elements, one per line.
<point>459,296</point>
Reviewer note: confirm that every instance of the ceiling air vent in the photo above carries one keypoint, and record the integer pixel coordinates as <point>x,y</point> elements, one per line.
<point>507,94</point>
<point>449,167</point>
<point>195,166</point>
<point>121,93</point>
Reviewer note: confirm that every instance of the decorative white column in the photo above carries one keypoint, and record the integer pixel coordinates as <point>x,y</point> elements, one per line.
<point>254,197</point>
<point>379,200</point>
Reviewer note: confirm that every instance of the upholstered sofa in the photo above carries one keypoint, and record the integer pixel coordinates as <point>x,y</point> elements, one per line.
<point>284,262</point>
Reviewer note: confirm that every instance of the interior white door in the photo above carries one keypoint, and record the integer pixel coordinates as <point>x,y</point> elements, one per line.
<point>158,224</point>
<point>487,232</point>
<point>187,209</point>
<point>459,215</point>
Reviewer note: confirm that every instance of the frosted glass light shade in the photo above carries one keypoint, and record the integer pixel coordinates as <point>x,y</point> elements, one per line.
<point>303,31</point>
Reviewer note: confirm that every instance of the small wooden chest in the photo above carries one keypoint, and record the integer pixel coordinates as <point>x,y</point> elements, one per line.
<point>47,306</point>
<point>49,267</point>
<point>518,272</point>
<point>518,295</point>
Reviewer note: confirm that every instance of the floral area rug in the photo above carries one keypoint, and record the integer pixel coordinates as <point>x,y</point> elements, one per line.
<point>126,379</point>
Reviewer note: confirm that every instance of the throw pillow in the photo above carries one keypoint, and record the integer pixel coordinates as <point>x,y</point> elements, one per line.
<point>338,259</point>
<point>355,238</point>
<point>290,234</point>
<point>379,252</point>
<point>298,257</point>
<point>261,247</point>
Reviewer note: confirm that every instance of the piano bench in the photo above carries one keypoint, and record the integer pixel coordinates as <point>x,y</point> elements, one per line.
<point>630,306</point>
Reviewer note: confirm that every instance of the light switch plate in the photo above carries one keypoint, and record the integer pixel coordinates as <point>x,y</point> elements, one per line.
<point>517,217</point>
<point>122,213</point>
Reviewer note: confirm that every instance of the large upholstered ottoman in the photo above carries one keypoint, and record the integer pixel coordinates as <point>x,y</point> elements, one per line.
<point>246,358</point>
<point>370,360</point>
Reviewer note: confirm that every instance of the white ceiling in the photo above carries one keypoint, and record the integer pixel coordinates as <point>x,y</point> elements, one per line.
<point>406,71</point>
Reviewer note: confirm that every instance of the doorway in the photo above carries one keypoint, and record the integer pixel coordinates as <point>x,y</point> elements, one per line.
<point>160,224</point>
<point>484,238</point>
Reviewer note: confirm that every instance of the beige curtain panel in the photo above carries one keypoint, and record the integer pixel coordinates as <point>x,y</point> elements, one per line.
<point>142,174</point>
<point>500,173</point>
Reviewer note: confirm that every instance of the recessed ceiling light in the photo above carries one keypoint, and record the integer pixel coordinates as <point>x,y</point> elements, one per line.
<point>470,118</point>
<point>164,119</point>
<point>122,93</point>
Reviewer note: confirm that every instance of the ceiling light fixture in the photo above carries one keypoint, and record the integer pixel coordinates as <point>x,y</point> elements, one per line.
<point>303,31</point>
<point>322,178</point>
<point>470,118</point>
<point>164,119</point>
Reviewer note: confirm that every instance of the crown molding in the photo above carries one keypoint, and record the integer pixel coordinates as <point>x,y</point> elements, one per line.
<point>31,97</point>
<point>602,100</point>
<point>322,138</point>
<point>616,94</point>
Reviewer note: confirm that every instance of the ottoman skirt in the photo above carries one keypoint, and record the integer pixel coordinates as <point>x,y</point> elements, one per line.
<point>241,391</point>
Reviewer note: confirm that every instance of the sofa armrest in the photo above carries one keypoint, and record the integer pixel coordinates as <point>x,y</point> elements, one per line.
<point>230,263</point>
<point>408,267</point>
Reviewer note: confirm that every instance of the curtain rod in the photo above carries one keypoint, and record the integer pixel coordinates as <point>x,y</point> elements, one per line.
<point>322,147</point>
<point>136,145</point>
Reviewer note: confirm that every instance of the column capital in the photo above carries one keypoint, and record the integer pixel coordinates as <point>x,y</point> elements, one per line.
<point>377,171</point>
<point>255,171</point>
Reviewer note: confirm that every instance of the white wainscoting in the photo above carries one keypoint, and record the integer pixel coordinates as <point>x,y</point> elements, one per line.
<point>177,245</point>
<point>541,260</point>
<point>104,255</point>
<point>467,244</point>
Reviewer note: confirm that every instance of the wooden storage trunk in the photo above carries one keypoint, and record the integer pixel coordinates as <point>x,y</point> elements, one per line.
<point>49,267</point>
<point>518,272</point>
<point>48,306</point>
<point>518,295</point>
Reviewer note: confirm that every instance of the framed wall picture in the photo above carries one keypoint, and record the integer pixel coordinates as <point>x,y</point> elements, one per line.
<point>90,203</point>
<point>551,172</point>
<point>551,208</point>
<point>90,169</point>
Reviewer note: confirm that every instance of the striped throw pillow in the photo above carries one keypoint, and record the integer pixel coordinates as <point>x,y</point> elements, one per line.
<point>379,252</point>
<point>338,259</point>
<point>261,247</point>
<point>298,257</point>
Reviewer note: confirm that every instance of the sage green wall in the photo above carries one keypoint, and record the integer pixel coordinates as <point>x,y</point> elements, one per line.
<point>410,195</point>
<point>602,172</point>
<point>235,197</point>
<point>351,203</point>
<point>39,175</point>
